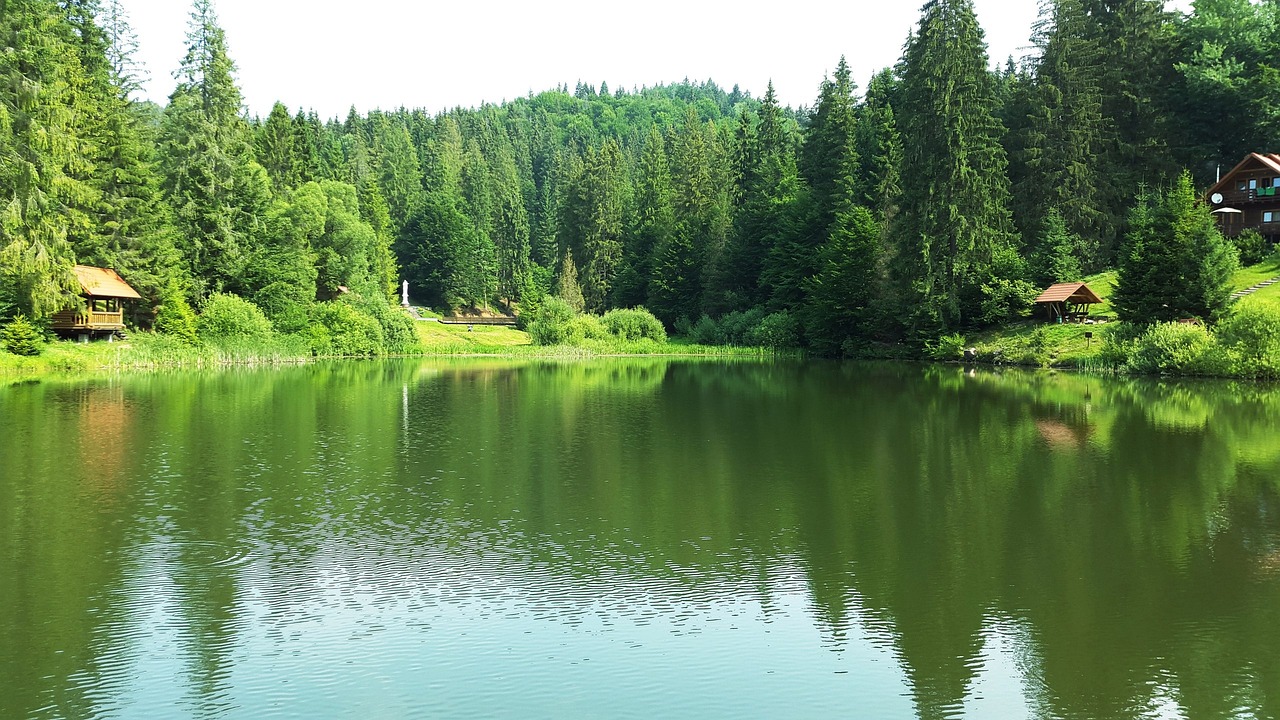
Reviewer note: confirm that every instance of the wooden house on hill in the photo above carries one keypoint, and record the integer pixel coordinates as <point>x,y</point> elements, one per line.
<point>1249,197</point>
<point>1064,302</point>
<point>103,291</point>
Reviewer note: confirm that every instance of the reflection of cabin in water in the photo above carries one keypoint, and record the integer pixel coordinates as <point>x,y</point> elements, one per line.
<point>1065,302</point>
<point>103,291</point>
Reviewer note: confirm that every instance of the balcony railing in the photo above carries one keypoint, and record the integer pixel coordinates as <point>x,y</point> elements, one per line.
<point>88,320</point>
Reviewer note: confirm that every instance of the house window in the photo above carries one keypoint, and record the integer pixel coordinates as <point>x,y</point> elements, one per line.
<point>1275,182</point>
<point>1240,185</point>
<point>1253,184</point>
<point>1268,217</point>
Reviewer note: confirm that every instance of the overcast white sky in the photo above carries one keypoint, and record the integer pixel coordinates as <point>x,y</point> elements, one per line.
<point>329,55</point>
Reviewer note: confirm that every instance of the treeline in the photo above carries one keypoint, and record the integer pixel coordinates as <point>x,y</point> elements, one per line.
<point>936,200</point>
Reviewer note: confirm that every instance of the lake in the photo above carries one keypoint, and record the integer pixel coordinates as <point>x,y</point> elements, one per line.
<point>638,538</point>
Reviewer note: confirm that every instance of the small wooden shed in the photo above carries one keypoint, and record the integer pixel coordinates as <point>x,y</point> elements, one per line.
<point>103,291</point>
<point>1064,302</point>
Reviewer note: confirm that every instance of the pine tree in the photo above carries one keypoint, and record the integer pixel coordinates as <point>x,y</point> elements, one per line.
<point>651,224</point>
<point>217,190</point>
<point>1056,152</point>
<point>567,287</point>
<point>133,229</point>
<point>1176,263</point>
<point>38,147</point>
<point>276,149</point>
<point>954,234</point>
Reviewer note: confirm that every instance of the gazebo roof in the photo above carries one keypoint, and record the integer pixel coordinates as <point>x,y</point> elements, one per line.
<point>1075,292</point>
<point>104,283</point>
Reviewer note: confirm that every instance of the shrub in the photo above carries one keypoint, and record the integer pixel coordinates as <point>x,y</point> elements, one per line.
<point>735,326</point>
<point>20,337</point>
<point>1252,246</point>
<point>775,331</point>
<point>586,327</point>
<point>285,306</point>
<point>634,324</point>
<point>948,347</point>
<point>550,323</point>
<point>1251,335</point>
<point>339,328</point>
<point>229,316</point>
<point>175,317</point>
<point>1179,348</point>
<point>705,332</point>
<point>398,332</point>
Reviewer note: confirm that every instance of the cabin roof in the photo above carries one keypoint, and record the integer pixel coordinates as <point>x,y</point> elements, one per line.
<point>1269,161</point>
<point>1076,292</point>
<point>104,283</point>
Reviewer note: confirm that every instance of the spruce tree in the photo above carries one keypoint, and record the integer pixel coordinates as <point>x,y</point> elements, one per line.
<point>1176,264</point>
<point>218,192</point>
<point>954,237</point>
<point>276,149</point>
<point>38,148</point>
<point>651,224</point>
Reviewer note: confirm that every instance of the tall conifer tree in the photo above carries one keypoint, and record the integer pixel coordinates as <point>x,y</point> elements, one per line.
<point>956,249</point>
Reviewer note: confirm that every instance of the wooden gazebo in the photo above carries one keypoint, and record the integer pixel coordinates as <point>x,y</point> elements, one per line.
<point>1064,302</point>
<point>103,290</point>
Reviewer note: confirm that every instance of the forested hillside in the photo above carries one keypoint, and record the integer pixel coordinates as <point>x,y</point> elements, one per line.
<point>937,198</point>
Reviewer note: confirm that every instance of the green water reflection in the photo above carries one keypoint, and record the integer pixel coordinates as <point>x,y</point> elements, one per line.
<point>639,538</point>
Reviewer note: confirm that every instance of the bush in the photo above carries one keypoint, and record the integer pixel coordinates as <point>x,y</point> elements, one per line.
<point>586,327</point>
<point>339,328</point>
<point>398,333</point>
<point>634,324</point>
<point>948,347</point>
<point>1177,348</point>
<point>20,337</point>
<point>1252,246</point>
<point>175,317</point>
<point>776,331</point>
<point>229,316</point>
<point>735,326</point>
<point>1251,335</point>
<point>550,323</point>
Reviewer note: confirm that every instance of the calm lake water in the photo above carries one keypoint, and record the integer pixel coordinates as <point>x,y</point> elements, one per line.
<point>640,538</point>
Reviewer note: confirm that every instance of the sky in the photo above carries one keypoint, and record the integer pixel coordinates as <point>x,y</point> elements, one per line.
<point>327,56</point>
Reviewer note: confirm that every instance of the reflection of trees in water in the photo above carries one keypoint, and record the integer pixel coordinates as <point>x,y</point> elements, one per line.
<point>1126,528</point>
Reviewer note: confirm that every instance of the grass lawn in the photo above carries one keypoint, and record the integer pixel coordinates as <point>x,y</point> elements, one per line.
<point>440,338</point>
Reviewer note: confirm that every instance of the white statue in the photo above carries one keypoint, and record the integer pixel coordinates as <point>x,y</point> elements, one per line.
<point>404,294</point>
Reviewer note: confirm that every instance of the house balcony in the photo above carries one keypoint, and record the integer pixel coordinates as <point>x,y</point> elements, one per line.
<point>88,320</point>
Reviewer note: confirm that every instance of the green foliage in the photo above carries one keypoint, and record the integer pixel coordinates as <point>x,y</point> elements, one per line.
<point>398,333</point>
<point>1176,263</point>
<point>567,287</point>
<point>634,324</point>
<point>776,331</point>
<point>947,347</point>
<point>229,316</point>
<point>1251,334</point>
<point>1253,248</point>
<point>20,337</point>
<point>550,325</point>
<point>954,223</point>
<point>1176,348</point>
<point>175,317</point>
<point>340,328</point>
<point>585,327</point>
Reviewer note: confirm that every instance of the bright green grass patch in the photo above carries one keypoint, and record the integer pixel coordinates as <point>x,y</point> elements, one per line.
<point>1247,277</point>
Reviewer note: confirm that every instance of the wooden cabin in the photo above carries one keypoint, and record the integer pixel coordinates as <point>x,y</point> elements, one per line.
<point>1249,197</point>
<point>103,291</point>
<point>1066,302</point>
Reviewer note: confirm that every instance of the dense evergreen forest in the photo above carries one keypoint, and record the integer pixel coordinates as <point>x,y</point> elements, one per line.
<point>936,199</point>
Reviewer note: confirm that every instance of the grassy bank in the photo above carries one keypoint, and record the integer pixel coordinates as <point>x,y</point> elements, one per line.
<point>1112,347</point>
<point>148,351</point>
